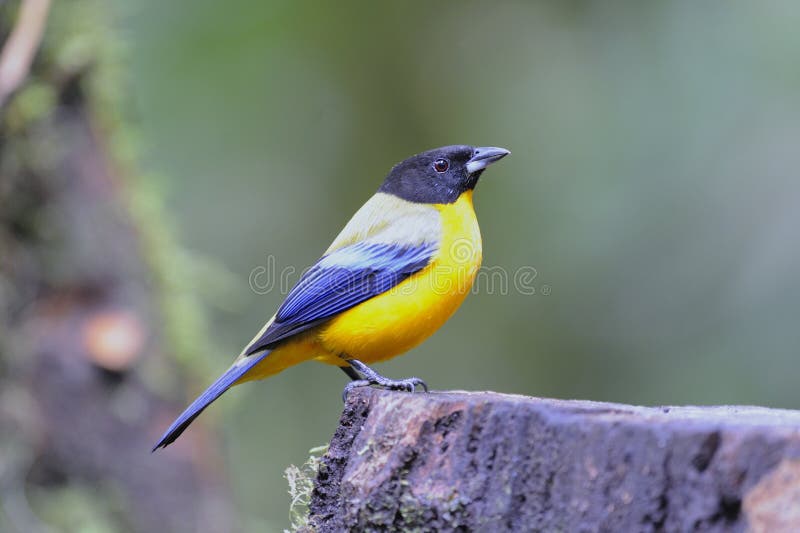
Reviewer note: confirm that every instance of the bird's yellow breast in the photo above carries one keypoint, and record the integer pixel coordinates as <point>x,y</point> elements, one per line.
<point>396,321</point>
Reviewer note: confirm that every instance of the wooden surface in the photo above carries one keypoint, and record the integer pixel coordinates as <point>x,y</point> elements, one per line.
<point>470,461</point>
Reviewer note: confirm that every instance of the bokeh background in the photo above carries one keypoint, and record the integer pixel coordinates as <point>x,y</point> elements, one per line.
<point>653,186</point>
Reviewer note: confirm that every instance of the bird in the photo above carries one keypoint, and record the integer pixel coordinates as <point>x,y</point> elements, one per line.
<point>393,276</point>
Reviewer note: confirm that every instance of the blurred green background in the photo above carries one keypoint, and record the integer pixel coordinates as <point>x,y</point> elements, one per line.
<point>653,186</point>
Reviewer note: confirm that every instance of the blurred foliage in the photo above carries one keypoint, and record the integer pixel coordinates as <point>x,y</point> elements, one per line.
<point>77,507</point>
<point>652,185</point>
<point>46,251</point>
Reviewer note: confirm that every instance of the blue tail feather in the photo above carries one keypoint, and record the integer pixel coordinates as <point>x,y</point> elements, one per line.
<point>204,400</point>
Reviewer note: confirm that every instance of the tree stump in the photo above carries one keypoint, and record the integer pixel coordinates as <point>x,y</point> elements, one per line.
<point>481,461</point>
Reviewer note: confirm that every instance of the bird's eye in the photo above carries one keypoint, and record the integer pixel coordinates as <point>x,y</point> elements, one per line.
<point>440,165</point>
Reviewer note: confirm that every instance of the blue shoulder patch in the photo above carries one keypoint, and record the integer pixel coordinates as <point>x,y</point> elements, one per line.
<point>341,280</point>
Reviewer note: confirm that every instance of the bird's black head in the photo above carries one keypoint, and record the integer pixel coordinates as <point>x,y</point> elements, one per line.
<point>439,176</point>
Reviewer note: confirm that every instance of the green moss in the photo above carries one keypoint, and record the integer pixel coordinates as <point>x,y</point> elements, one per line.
<point>33,102</point>
<point>301,485</point>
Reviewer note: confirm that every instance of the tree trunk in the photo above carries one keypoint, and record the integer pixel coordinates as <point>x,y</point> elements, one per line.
<point>82,329</point>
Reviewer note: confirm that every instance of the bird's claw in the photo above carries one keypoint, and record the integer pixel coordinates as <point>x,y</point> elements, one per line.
<point>353,385</point>
<point>370,377</point>
<point>408,384</point>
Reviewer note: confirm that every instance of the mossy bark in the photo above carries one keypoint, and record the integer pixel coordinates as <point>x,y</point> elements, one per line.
<point>461,461</point>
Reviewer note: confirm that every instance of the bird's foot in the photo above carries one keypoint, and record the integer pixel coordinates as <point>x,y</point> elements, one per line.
<point>370,377</point>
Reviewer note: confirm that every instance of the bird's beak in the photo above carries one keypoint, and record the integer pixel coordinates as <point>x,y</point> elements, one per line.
<point>485,156</point>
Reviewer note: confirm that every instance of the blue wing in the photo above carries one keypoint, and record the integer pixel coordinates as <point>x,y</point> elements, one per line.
<point>341,280</point>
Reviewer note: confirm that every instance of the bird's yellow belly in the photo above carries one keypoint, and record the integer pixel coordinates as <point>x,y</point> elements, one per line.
<point>396,321</point>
